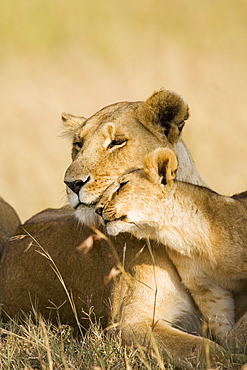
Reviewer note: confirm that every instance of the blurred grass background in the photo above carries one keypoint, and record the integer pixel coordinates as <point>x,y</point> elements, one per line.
<point>80,55</point>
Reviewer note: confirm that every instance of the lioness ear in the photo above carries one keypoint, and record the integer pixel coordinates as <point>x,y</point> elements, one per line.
<point>71,124</point>
<point>161,166</point>
<point>168,110</point>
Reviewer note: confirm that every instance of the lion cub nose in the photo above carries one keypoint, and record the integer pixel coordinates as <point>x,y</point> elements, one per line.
<point>76,185</point>
<point>99,210</point>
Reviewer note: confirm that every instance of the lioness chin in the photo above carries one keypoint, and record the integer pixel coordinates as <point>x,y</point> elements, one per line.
<point>204,233</point>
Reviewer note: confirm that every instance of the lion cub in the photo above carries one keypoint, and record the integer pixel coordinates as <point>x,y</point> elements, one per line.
<point>205,233</point>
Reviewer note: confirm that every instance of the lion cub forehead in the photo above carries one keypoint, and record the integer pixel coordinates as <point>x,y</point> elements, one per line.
<point>133,176</point>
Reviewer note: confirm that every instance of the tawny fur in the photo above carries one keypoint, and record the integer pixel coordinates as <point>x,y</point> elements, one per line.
<point>205,233</point>
<point>28,283</point>
<point>116,139</point>
<point>113,140</point>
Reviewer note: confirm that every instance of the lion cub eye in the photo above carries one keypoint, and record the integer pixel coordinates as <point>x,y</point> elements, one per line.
<point>77,145</point>
<point>121,185</point>
<point>117,143</point>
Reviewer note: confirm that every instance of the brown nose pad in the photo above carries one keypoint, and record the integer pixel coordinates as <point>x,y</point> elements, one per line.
<point>99,210</point>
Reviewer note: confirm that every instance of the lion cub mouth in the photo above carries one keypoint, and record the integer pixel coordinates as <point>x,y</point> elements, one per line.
<point>122,218</point>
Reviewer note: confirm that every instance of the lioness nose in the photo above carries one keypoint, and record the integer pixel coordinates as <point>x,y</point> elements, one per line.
<point>99,210</point>
<point>76,185</point>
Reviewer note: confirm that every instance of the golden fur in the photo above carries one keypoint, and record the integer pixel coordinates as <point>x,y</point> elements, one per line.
<point>128,301</point>
<point>116,139</point>
<point>8,224</point>
<point>110,142</point>
<point>205,233</point>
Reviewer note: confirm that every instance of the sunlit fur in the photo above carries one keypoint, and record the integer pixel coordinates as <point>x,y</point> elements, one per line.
<point>117,138</point>
<point>147,305</point>
<point>205,233</point>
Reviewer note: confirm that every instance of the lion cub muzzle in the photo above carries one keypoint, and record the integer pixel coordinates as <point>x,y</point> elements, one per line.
<point>110,216</point>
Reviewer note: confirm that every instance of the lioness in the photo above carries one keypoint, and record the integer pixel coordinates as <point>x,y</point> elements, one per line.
<point>104,146</point>
<point>205,233</point>
<point>9,220</point>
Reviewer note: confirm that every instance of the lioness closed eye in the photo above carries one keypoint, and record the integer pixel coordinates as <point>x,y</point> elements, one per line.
<point>205,233</point>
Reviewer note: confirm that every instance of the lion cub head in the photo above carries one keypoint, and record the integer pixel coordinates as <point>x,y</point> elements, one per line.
<point>116,139</point>
<point>128,204</point>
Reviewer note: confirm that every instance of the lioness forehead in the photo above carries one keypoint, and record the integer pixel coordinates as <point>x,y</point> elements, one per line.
<point>113,111</point>
<point>109,113</point>
<point>125,118</point>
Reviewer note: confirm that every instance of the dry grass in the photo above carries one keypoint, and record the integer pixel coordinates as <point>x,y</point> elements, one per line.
<point>37,344</point>
<point>78,56</point>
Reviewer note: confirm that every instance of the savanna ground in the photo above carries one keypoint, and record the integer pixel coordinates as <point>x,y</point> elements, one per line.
<point>78,56</point>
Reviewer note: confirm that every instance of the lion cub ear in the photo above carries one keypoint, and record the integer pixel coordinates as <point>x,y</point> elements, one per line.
<point>168,110</point>
<point>71,124</point>
<point>160,166</point>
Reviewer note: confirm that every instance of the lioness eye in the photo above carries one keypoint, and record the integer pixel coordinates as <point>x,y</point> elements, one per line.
<point>121,185</point>
<point>77,145</point>
<point>117,142</point>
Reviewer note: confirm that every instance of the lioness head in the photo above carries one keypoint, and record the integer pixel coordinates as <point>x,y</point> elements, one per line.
<point>131,203</point>
<point>116,139</point>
